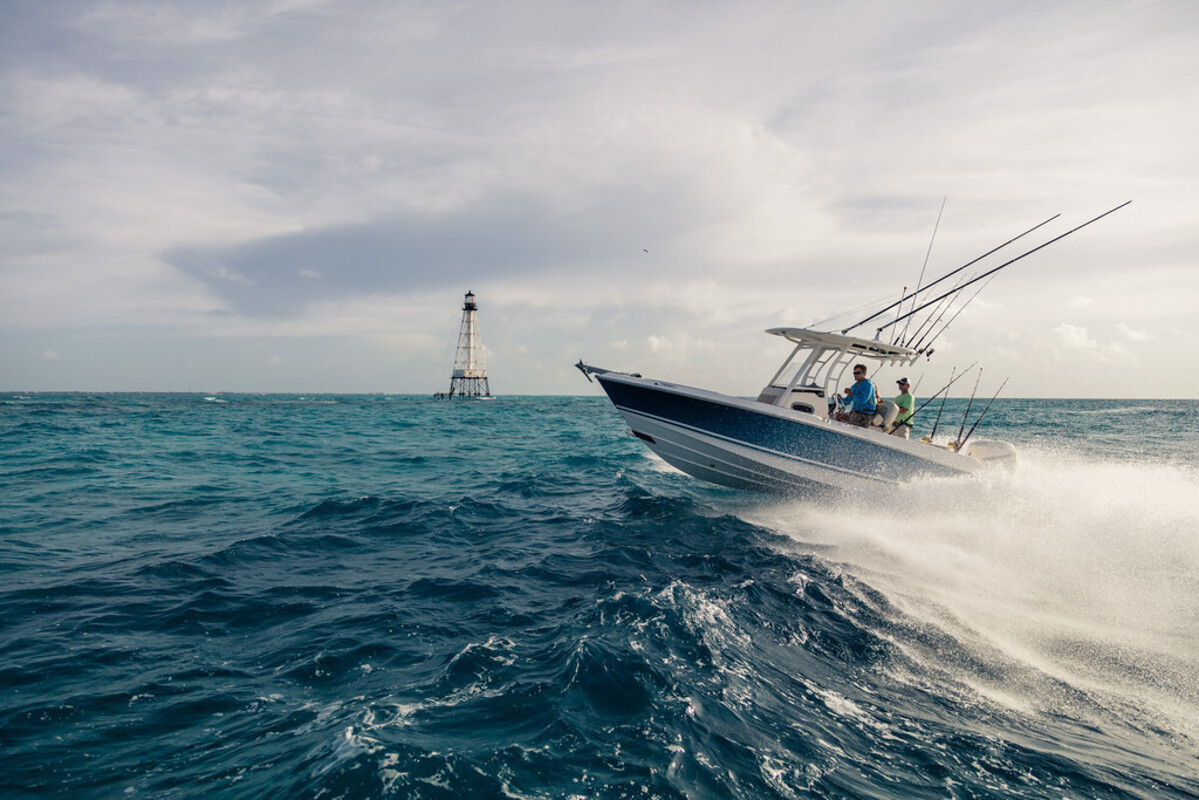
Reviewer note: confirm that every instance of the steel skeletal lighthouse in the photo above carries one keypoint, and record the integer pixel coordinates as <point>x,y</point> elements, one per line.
<point>470,374</point>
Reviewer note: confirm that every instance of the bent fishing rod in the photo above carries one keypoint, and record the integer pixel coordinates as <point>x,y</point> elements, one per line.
<point>996,269</point>
<point>907,297</point>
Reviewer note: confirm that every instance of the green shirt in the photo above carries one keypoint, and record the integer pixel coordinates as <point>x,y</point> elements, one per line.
<point>907,401</point>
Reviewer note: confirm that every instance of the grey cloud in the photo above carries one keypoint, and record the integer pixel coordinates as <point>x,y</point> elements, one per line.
<point>280,275</point>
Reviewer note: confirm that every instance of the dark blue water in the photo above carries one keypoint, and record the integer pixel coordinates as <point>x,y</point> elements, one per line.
<point>284,596</point>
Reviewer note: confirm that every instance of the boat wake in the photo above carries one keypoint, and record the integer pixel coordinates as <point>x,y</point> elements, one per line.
<point>1069,583</point>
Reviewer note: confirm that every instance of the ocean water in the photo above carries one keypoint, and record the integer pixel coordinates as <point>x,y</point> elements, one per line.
<point>370,596</point>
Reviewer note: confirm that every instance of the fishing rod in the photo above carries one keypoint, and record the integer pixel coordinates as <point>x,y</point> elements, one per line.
<point>855,310</point>
<point>945,388</point>
<point>949,274</point>
<point>924,266</point>
<point>937,394</point>
<point>937,421</point>
<point>962,443</point>
<point>945,327</point>
<point>970,404</point>
<point>901,294</point>
<point>933,318</point>
<point>1003,265</point>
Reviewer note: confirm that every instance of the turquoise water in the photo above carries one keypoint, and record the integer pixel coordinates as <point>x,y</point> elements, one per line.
<point>371,596</point>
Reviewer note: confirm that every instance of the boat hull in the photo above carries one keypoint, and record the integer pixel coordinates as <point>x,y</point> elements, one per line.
<point>750,445</point>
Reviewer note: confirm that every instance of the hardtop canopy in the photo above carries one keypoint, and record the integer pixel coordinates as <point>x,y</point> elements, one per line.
<point>865,348</point>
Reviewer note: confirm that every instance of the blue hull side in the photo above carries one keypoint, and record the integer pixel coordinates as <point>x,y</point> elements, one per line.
<point>836,455</point>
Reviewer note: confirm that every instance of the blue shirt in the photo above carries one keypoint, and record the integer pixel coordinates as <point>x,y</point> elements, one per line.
<point>863,396</point>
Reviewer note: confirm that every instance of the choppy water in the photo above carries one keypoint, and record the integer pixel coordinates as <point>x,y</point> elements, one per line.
<point>283,596</point>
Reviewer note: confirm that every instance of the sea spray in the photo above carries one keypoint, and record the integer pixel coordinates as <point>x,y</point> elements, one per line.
<point>1080,570</point>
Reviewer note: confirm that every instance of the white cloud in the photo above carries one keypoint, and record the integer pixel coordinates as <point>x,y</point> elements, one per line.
<point>1132,334</point>
<point>660,344</point>
<point>1073,337</point>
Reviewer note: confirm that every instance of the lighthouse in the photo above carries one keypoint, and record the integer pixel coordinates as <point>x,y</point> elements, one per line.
<point>470,374</point>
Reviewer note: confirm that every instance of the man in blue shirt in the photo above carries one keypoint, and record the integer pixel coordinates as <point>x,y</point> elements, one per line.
<point>862,396</point>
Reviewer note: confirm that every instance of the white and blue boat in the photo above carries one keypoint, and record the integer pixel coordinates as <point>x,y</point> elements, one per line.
<point>788,439</point>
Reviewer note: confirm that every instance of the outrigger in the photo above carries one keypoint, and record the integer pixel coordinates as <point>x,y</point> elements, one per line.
<point>788,439</point>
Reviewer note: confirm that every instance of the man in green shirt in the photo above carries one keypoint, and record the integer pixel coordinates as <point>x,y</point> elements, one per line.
<point>902,427</point>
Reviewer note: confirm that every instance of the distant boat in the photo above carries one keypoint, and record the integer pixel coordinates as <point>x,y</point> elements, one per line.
<point>790,439</point>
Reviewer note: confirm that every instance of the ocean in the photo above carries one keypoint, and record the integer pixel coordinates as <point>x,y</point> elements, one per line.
<point>261,596</point>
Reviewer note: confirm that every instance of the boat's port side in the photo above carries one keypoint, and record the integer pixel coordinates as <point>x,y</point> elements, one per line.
<point>718,460</point>
<point>808,399</point>
<point>738,443</point>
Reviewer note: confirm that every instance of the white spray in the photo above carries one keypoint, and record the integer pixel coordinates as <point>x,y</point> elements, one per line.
<point>1086,572</point>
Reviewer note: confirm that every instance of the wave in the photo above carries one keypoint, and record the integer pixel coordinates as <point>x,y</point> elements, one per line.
<point>322,603</point>
<point>1070,578</point>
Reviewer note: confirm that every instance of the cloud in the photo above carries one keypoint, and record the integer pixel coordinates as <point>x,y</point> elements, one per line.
<point>501,240</point>
<point>1073,337</point>
<point>298,169</point>
<point>49,355</point>
<point>1132,334</point>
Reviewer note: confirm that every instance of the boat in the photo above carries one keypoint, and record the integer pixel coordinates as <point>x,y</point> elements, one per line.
<point>790,439</point>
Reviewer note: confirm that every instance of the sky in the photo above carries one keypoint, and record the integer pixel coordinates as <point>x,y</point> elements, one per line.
<point>294,196</point>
